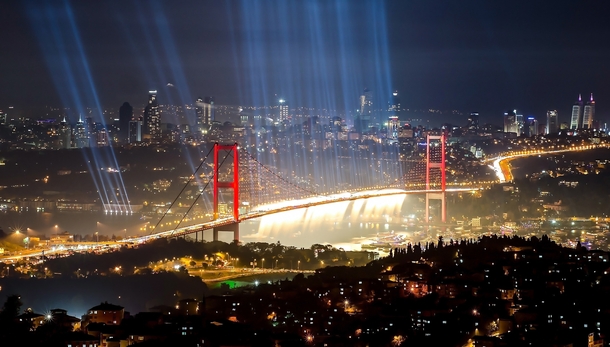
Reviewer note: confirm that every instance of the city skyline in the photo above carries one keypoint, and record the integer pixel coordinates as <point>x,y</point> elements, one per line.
<point>496,56</point>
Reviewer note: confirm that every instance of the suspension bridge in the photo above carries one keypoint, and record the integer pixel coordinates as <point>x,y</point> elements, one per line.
<point>243,188</point>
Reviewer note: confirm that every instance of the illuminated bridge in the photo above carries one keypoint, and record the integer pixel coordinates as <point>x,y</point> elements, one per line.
<point>243,188</point>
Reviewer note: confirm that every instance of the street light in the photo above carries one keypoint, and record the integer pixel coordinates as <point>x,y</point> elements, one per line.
<point>97,238</point>
<point>299,265</point>
<point>263,263</point>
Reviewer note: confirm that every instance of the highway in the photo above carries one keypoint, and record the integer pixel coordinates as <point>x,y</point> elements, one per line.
<point>501,164</point>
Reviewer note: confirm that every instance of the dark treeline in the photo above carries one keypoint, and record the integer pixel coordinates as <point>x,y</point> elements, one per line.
<point>129,259</point>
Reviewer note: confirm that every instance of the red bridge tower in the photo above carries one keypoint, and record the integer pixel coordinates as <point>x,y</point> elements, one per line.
<point>434,164</point>
<point>234,184</point>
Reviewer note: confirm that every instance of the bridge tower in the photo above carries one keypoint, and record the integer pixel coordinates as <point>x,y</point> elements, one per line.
<point>234,184</point>
<point>436,164</point>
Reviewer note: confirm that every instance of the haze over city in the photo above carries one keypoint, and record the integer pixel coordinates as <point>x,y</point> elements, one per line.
<point>468,56</point>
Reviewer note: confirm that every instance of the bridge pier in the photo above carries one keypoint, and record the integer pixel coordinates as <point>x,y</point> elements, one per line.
<point>233,227</point>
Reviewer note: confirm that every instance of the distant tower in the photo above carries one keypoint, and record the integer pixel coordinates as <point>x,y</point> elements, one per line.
<point>81,136</point>
<point>365,111</point>
<point>588,114</point>
<point>284,111</point>
<point>520,123</point>
<point>394,104</point>
<point>152,117</point>
<point>201,128</point>
<point>531,126</point>
<point>125,116</point>
<point>135,131</point>
<point>473,122</point>
<point>393,125</point>
<point>102,137</point>
<point>510,122</point>
<point>65,134</point>
<point>577,109</point>
<point>552,124</point>
<point>208,110</point>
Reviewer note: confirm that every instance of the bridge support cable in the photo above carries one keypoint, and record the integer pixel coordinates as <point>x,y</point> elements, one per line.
<point>181,191</point>
<point>281,178</point>
<point>210,179</point>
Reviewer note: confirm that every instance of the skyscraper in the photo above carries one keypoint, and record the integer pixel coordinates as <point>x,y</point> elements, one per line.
<point>577,109</point>
<point>552,124</point>
<point>365,111</point>
<point>588,114</point>
<point>394,104</point>
<point>473,122</point>
<point>283,111</point>
<point>520,123</point>
<point>125,116</point>
<point>81,135</point>
<point>208,110</point>
<point>65,134</point>
<point>135,131</point>
<point>393,125</point>
<point>152,117</point>
<point>510,122</point>
<point>531,126</point>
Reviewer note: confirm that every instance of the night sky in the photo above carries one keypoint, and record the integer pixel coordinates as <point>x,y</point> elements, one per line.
<point>484,56</point>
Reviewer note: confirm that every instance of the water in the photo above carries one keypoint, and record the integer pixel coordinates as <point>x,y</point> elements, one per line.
<point>340,224</point>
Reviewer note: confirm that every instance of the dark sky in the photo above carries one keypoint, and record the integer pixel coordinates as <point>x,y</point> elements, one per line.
<point>467,55</point>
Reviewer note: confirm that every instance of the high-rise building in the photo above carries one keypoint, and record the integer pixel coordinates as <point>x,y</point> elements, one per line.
<point>552,123</point>
<point>65,134</point>
<point>152,117</point>
<point>209,110</point>
<point>125,116</point>
<point>81,135</point>
<point>284,112</point>
<point>393,125</point>
<point>366,102</point>
<point>199,114</point>
<point>3,118</point>
<point>364,111</point>
<point>531,126</point>
<point>473,122</point>
<point>588,114</point>
<point>520,123</point>
<point>394,104</point>
<point>101,137</point>
<point>510,122</point>
<point>577,109</point>
<point>135,131</point>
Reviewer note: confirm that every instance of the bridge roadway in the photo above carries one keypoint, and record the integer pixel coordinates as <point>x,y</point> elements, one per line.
<point>289,205</point>
<point>500,163</point>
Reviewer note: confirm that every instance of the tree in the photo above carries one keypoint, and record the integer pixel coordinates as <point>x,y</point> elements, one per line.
<point>8,318</point>
<point>11,309</point>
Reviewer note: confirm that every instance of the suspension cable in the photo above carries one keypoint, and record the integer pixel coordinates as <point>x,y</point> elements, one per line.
<point>183,188</point>
<point>282,178</point>
<point>200,193</point>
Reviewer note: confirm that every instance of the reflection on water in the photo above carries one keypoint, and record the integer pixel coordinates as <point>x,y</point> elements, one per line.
<point>337,223</point>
